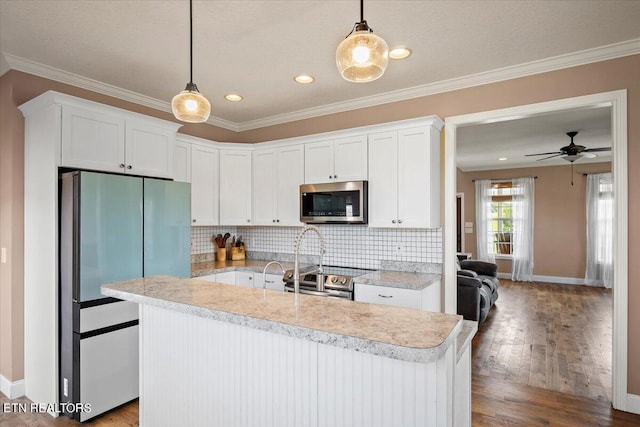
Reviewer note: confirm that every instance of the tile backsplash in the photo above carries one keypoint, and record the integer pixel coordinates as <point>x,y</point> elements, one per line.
<point>347,245</point>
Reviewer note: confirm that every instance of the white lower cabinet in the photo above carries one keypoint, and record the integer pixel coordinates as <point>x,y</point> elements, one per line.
<point>228,277</point>
<point>427,299</point>
<point>273,281</point>
<point>244,278</point>
<point>209,278</point>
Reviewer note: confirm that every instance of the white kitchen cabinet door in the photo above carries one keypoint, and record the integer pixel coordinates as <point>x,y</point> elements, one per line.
<point>273,281</point>
<point>235,187</point>
<point>244,278</point>
<point>263,189</point>
<point>350,159</point>
<point>182,161</point>
<point>318,162</point>
<point>208,278</point>
<point>204,185</point>
<point>383,179</point>
<point>227,278</point>
<point>418,179</point>
<point>149,149</point>
<point>92,140</point>
<point>289,176</point>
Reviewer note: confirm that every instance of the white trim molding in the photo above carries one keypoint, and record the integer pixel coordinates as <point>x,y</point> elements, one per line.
<point>557,279</point>
<point>11,389</point>
<point>617,100</point>
<point>633,403</point>
<point>597,54</point>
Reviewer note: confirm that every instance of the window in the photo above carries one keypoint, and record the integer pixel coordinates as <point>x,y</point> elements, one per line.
<point>501,220</point>
<point>604,220</point>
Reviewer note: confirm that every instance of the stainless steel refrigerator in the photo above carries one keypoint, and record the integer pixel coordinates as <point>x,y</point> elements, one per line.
<point>112,228</point>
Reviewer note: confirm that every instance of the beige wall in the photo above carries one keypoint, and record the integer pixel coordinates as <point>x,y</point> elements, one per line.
<point>560,223</point>
<point>621,73</point>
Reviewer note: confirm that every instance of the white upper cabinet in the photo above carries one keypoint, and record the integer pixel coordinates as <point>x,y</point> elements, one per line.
<point>277,175</point>
<point>336,160</point>
<point>404,178</point>
<point>92,140</point>
<point>264,187</point>
<point>182,161</point>
<point>102,138</point>
<point>289,176</point>
<point>149,149</point>
<point>204,185</point>
<point>235,187</point>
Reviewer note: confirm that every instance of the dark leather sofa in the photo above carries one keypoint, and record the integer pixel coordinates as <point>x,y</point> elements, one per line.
<point>477,289</point>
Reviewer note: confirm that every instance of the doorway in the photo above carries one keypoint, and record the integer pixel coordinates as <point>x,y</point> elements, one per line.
<point>617,101</point>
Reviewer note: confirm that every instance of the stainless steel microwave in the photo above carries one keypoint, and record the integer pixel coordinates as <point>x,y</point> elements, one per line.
<point>334,203</point>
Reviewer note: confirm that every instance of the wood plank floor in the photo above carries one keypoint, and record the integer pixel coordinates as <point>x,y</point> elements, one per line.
<point>551,336</point>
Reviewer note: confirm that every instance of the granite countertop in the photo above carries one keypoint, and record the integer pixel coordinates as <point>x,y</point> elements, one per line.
<point>392,279</point>
<point>392,332</point>
<point>398,279</point>
<point>212,267</point>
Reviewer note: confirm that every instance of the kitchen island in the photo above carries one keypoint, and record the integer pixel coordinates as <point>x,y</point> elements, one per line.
<point>223,355</point>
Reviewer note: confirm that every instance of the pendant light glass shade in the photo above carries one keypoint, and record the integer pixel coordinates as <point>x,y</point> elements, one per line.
<point>190,105</point>
<point>362,56</point>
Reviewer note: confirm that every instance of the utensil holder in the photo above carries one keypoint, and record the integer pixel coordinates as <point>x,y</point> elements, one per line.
<point>237,253</point>
<point>221,254</point>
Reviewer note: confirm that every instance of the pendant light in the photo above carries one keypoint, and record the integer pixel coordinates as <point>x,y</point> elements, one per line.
<point>190,105</point>
<point>362,56</point>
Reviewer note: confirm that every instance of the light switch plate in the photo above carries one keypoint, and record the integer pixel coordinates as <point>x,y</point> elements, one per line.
<point>468,225</point>
<point>4,256</point>
<point>468,230</point>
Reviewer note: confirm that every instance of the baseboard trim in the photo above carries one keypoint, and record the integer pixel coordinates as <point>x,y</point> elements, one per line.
<point>633,403</point>
<point>557,279</point>
<point>11,389</point>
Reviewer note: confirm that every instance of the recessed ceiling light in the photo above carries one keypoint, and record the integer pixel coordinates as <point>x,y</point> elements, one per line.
<point>399,53</point>
<point>304,79</point>
<point>233,97</point>
<point>502,158</point>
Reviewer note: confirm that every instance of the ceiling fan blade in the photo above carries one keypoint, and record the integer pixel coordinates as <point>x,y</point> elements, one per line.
<point>555,155</point>
<point>592,150</point>
<point>543,154</point>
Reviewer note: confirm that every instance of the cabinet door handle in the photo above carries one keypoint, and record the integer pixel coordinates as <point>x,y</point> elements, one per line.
<point>122,165</point>
<point>385,296</point>
<point>393,221</point>
<point>277,220</point>
<point>273,220</point>
<point>250,278</point>
<point>129,167</point>
<point>399,221</point>
<point>193,220</point>
<point>268,281</point>
<point>335,176</point>
<point>330,176</point>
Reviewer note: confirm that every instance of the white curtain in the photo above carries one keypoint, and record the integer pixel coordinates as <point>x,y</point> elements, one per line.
<point>483,214</point>
<point>600,229</point>
<point>522,212</point>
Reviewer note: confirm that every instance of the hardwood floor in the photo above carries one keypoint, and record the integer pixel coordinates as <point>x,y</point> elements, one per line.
<point>541,359</point>
<point>551,336</point>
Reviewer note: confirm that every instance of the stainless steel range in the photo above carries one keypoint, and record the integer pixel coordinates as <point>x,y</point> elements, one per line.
<point>338,281</point>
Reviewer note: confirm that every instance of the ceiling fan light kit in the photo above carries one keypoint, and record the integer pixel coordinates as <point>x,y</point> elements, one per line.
<point>362,56</point>
<point>190,105</point>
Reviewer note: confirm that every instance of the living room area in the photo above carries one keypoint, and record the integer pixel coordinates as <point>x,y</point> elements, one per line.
<point>541,212</point>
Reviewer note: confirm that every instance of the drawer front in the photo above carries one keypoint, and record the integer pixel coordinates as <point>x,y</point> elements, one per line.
<point>405,298</point>
<point>102,316</point>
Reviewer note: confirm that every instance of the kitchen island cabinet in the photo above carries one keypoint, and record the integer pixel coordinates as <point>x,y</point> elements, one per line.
<point>221,355</point>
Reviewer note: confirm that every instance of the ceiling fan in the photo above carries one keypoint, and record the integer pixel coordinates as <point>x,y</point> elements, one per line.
<point>572,152</point>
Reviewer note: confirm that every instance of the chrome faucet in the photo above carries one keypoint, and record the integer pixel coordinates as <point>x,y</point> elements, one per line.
<point>296,264</point>
<point>264,272</point>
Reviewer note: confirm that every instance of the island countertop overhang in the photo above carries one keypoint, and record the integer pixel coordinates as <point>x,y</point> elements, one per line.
<point>392,332</point>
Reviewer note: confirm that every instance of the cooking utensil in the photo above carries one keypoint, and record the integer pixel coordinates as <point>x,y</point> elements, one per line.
<point>218,241</point>
<point>224,239</point>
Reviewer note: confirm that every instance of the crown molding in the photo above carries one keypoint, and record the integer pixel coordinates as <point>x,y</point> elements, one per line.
<point>51,73</point>
<point>602,53</point>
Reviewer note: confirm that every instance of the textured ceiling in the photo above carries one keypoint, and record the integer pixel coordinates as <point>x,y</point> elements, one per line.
<point>256,47</point>
<point>479,146</point>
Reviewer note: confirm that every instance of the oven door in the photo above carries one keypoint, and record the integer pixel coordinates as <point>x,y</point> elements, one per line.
<point>330,293</point>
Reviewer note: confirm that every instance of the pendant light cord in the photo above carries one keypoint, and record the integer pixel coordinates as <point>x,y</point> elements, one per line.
<point>191,41</point>
<point>361,10</point>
